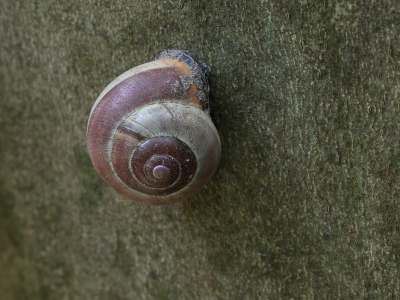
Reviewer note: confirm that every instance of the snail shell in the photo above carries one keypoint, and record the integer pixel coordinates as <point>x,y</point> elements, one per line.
<point>150,135</point>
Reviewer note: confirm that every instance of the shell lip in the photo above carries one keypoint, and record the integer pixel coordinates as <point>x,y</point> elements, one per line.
<point>199,73</point>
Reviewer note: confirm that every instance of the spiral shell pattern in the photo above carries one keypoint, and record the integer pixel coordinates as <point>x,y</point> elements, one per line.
<point>149,133</point>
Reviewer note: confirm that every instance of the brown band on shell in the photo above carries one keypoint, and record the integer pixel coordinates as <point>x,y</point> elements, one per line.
<point>130,94</point>
<point>181,164</point>
<point>161,102</point>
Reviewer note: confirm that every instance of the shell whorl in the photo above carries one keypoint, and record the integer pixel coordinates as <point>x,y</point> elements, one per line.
<point>149,132</point>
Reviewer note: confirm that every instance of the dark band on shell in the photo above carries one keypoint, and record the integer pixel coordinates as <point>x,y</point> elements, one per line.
<point>150,135</point>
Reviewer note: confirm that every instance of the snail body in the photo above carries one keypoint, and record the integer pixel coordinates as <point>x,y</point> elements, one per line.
<point>150,135</point>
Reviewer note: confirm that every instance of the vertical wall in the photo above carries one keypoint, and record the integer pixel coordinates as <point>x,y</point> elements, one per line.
<point>305,203</point>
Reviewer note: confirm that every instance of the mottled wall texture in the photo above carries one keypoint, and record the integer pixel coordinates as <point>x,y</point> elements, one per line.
<point>305,203</point>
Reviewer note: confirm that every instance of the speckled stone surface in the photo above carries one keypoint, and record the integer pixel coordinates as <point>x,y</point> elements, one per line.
<point>305,203</point>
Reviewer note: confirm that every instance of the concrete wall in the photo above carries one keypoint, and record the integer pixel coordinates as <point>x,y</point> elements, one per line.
<point>305,202</point>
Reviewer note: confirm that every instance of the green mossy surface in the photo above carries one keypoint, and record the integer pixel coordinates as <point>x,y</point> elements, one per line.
<point>305,202</point>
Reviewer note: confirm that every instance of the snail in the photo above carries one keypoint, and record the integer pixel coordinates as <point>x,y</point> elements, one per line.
<point>150,135</point>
